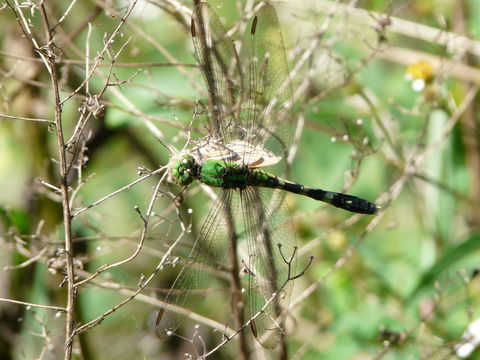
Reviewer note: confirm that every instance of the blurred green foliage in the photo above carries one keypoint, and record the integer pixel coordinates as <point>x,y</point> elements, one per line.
<point>408,270</point>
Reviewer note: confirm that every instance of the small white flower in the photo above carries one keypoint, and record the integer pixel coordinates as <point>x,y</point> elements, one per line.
<point>470,340</point>
<point>418,85</point>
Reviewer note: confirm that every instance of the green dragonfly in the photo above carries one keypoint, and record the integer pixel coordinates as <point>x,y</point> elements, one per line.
<point>249,119</point>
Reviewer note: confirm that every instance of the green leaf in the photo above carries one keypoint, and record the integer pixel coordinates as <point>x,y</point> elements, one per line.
<point>450,256</point>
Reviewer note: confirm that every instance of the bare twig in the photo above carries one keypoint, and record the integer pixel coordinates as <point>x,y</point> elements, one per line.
<point>48,307</point>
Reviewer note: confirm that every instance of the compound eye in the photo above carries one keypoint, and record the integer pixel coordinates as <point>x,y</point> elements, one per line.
<point>185,179</point>
<point>187,163</point>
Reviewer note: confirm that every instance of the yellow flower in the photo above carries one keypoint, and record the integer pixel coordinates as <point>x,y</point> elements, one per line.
<point>420,73</point>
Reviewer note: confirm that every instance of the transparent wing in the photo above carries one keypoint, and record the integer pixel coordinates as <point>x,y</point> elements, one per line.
<point>267,109</point>
<point>249,99</point>
<point>221,70</point>
<point>237,151</point>
<point>206,261</point>
<point>268,266</point>
<point>271,263</point>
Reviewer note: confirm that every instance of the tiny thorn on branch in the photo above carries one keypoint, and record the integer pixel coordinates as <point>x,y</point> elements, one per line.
<point>301,273</point>
<point>137,209</point>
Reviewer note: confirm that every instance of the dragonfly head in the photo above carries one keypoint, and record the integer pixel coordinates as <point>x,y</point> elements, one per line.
<point>184,170</point>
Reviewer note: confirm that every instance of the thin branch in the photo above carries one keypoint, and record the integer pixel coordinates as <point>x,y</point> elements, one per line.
<point>140,243</point>
<point>28,119</point>
<point>26,263</point>
<point>48,307</point>
<point>78,212</point>
<point>102,52</point>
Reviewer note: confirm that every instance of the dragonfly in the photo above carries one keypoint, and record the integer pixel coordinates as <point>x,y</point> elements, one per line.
<point>250,112</point>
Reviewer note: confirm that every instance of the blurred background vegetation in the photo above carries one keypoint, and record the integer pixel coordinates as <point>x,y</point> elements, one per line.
<point>387,107</point>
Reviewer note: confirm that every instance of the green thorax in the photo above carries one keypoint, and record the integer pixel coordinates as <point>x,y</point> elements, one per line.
<point>232,175</point>
<point>224,174</point>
